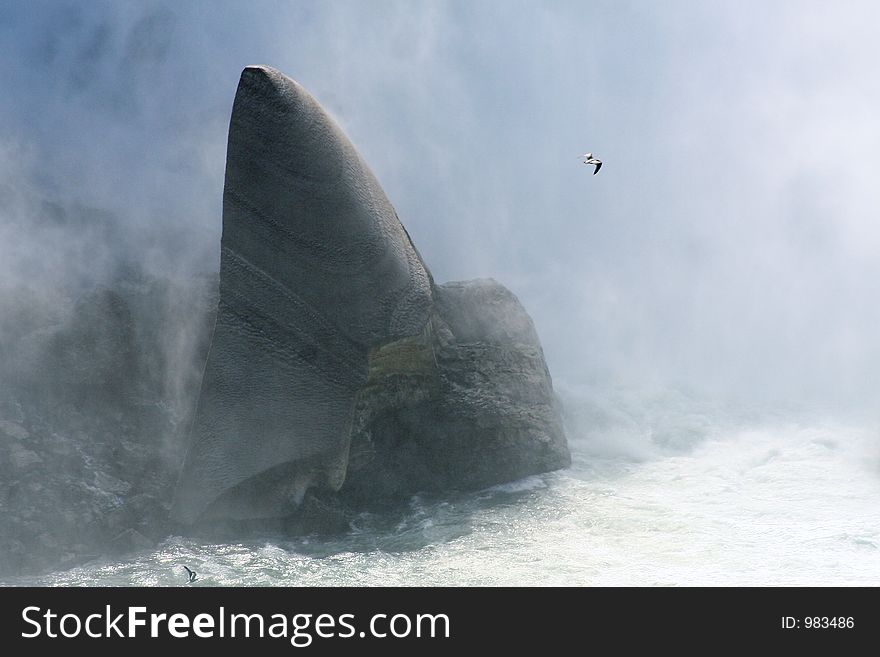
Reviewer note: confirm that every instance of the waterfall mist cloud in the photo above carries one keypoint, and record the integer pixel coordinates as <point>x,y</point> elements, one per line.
<point>728,245</point>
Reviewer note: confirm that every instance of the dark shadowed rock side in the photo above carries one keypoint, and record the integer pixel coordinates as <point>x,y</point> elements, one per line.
<point>97,390</point>
<point>337,366</point>
<point>467,403</point>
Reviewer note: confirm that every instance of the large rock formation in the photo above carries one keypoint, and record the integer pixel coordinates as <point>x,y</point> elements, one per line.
<point>336,363</point>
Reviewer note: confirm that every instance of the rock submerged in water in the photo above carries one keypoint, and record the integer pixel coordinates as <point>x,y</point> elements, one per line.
<point>337,364</point>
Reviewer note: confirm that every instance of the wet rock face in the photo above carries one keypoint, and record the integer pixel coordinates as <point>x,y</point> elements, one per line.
<point>466,404</point>
<point>336,363</point>
<point>501,408</point>
<point>315,270</point>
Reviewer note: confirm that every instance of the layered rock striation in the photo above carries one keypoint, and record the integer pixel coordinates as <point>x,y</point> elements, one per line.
<point>336,363</point>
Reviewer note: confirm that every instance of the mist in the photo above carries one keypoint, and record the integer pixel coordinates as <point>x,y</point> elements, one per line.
<point>727,247</point>
<point>707,303</point>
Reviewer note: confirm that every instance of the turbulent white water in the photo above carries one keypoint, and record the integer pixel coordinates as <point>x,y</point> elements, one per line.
<point>659,493</point>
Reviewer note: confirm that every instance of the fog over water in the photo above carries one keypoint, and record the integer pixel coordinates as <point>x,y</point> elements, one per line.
<point>707,304</point>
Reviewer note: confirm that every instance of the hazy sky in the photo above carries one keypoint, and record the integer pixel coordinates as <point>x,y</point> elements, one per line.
<point>730,242</point>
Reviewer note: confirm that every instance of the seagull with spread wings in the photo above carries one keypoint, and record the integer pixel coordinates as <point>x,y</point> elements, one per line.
<point>589,159</point>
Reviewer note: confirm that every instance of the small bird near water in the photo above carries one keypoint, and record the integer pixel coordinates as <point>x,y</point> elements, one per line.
<point>589,159</point>
<point>193,575</point>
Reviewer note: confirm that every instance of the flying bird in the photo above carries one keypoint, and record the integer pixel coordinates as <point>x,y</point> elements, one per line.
<point>193,575</point>
<point>589,159</point>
